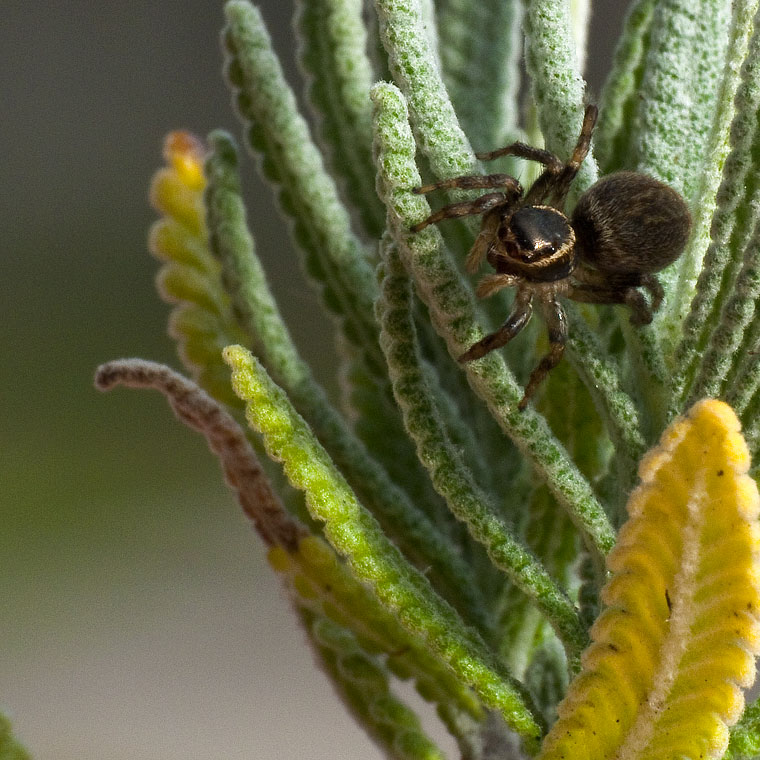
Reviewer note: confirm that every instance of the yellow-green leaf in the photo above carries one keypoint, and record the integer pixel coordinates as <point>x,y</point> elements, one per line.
<point>202,321</point>
<point>676,641</point>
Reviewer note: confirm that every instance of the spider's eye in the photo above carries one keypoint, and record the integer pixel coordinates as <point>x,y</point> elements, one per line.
<point>539,232</point>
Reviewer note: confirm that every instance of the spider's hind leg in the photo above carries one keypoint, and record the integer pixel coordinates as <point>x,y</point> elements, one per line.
<point>626,293</point>
<point>654,286</point>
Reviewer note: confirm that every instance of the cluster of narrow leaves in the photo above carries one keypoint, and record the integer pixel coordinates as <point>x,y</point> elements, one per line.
<point>427,529</point>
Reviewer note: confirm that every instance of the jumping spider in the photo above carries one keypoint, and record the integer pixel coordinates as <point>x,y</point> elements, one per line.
<point>623,229</point>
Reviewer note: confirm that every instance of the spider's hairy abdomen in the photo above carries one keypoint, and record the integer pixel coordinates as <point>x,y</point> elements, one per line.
<point>630,223</point>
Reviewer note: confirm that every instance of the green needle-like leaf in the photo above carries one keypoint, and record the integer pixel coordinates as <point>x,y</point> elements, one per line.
<point>602,378</point>
<point>619,101</point>
<point>451,477</point>
<point>481,48</point>
<point>713,164</point>
<point>679,89</point>
<point>557,85</point>
<point>325,586</point>
<point>744,743</point>
<point>363,683</point>
<point>681,127</point>
<point>356,535</point>
<point>733,222</point>
<point>333,50</point>
<point>322,225</point>
<point>416,71</point>
<point>723,352</point>
<point>452,311</point>
<point>260,319</point>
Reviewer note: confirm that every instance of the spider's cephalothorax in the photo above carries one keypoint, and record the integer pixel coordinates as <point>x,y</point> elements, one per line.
<point>623,230</point>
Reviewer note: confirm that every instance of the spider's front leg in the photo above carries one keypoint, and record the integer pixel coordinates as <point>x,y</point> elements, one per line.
<point>553,186</point>
<point>556,322</point>
<point>511,190</point>
<point>465,208</point>
<point>473,182</point>
<point>521,311</point>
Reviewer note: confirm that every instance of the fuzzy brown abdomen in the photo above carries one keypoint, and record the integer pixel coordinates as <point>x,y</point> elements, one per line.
<point>630,223</point>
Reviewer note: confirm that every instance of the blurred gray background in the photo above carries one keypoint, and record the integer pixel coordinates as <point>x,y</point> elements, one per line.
<point>138,618</point>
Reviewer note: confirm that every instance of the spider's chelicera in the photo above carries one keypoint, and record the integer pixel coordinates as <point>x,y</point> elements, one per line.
<point>623,229</point>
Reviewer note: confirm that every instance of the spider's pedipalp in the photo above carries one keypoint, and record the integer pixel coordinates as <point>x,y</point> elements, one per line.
<point>493,283</point>
<point>483,241</point>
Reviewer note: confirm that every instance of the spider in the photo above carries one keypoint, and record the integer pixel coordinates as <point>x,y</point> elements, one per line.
<point>623,229</point>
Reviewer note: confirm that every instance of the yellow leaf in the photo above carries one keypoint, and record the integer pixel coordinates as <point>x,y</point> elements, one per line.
<point>676,641</point>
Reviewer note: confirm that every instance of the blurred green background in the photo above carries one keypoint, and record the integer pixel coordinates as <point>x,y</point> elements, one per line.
<point>138,617</point>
